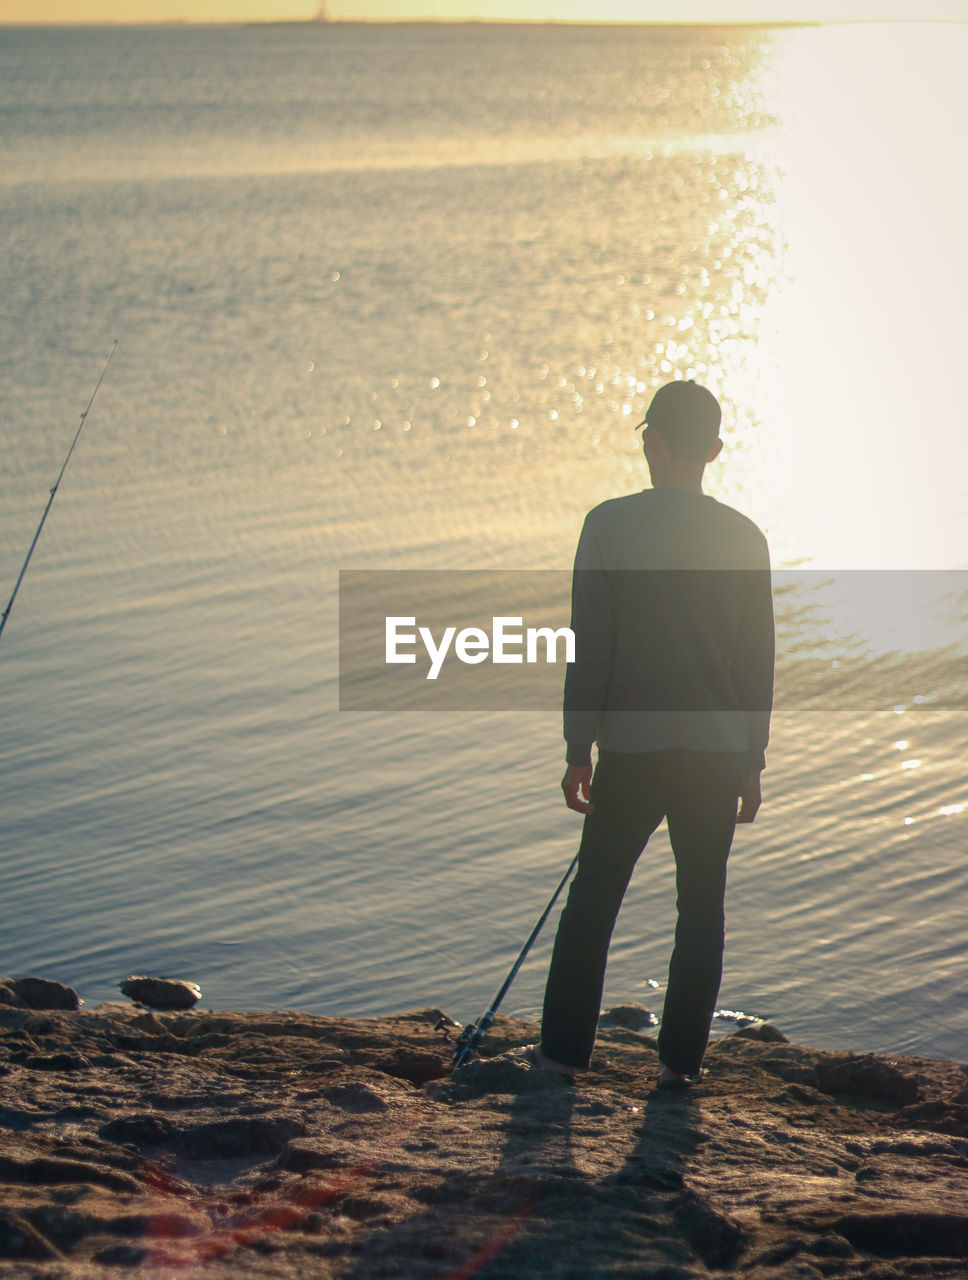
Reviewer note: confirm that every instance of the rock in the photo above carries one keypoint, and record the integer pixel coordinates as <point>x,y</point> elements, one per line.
<point>763,1031</point>
<point>633,1017</point>
<point>139,1130</point>
<point>902,1233</point>
<point>161,993</point>
<point>945,1117</point>
<point>237,1136</point>
<point>865,1076</point>
<point>56,1062</point>
<point>504,1075</point>
<point>418,1068</point>
<point>355,1096</point>
<point>218,1138</point>
<point>38,993</point>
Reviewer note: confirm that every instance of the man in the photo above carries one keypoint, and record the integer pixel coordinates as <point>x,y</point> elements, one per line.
<point>673,678</point>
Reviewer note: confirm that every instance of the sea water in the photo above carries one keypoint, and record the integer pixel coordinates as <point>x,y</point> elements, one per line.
<point>393,297</point>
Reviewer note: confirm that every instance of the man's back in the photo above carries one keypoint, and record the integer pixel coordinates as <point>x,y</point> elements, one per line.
<point>669,529</point>
<point>672,613</point>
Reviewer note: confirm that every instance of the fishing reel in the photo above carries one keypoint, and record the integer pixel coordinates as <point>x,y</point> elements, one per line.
<point>466,1043</point>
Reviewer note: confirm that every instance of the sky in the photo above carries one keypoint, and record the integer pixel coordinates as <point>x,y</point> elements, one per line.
<point>40,11</point>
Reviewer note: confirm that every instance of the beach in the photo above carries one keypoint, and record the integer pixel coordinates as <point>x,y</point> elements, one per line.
<point>292,1144</point>
<point>283,1144</point>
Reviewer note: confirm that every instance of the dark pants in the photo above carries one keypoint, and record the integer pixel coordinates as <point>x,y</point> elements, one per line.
<point>696,791</point>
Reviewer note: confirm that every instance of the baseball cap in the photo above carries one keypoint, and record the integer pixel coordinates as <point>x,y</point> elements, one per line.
<point>686,414</point>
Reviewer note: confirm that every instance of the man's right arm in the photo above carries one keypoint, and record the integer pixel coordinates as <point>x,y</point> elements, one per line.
<point>587,678</point>
<point>577,786</point>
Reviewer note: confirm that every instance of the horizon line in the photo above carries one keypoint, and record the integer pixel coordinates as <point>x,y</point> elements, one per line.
<point>477,21</point>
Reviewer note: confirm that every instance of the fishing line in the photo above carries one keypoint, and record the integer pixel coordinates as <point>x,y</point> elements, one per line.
<point>53,492</point>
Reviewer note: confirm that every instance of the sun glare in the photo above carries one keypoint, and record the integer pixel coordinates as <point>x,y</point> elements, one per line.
<point>866,336</point>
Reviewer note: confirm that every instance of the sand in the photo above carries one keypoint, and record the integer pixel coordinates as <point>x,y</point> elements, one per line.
<point>292,1145</point>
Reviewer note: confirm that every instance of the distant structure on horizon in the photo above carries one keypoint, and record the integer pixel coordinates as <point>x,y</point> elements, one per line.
<point>322,13</point>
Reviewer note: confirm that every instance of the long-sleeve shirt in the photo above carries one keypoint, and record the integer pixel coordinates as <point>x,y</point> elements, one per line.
<point>672,612</point>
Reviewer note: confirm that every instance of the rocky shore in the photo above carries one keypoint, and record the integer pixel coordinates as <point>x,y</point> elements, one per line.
<point>287,1145</point>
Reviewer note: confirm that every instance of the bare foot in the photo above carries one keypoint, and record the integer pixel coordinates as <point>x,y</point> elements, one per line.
<point>549,1064</point>
<point>669,1079</point>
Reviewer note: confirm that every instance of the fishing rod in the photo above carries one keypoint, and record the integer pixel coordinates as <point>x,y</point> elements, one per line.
<point>53,492</point>
<point>472,1035</point>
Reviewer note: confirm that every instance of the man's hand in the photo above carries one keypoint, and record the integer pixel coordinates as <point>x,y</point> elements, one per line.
<point>750,796</point>
<point>577,783</point>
